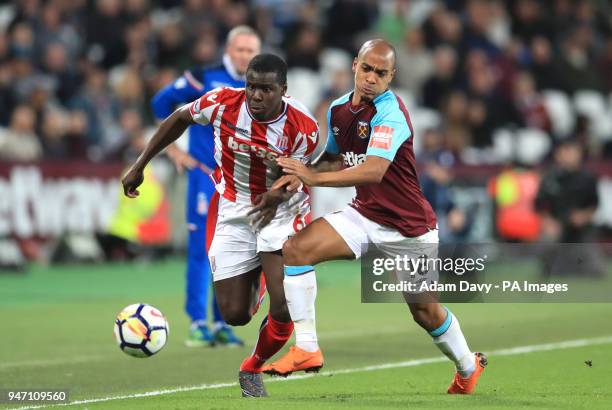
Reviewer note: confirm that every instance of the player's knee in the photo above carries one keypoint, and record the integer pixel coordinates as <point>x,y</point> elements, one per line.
<point>238,318</point>
<point>293,255</point>
<point>235,315</point>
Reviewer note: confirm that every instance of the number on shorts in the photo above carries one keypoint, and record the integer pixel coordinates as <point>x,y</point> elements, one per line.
<point>301,221</point>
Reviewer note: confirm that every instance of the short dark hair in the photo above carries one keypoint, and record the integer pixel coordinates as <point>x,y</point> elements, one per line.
<point>270,63</point>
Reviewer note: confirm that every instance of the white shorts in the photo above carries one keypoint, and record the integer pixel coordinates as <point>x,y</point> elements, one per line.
<point>235,244</point>
<point>360,233</point>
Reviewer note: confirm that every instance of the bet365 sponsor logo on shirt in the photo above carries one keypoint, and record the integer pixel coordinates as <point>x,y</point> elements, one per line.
<point>246,147</point>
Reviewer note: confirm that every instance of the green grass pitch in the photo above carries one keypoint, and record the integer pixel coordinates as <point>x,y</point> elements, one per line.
<point>57,333</point>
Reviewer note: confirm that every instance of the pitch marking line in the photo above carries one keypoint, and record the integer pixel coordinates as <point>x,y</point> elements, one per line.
<point>334,335</point>
<point>568,344</point>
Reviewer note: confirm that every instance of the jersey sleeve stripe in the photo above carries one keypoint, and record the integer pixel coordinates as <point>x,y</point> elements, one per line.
<point>192,81</point>
<point>193,107</point>
<point>299,106</point>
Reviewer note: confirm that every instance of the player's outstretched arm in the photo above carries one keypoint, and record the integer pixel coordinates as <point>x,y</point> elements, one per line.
<point>328,162</point>
<point>371,171</point>
<point>169,131</point>
<point>183,160</point>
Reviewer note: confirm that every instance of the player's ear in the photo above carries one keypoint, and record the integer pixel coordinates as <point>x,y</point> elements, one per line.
<point>284,89</point>
<point>355,64</point>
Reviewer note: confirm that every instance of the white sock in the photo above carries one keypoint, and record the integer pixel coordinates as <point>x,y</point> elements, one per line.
<point>301,292</point>
<point>217,326</point>
<point>197,323</point>
<point>450,340</point>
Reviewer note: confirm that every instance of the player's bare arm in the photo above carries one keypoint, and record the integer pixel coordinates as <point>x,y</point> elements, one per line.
<point>183,160</point>
<point>169,131</point>
<point>287,185</point>
<point>327,162</point>
<point>371,171</point>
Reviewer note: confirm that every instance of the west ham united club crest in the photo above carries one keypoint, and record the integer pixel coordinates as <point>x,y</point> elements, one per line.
<point>362,129</point>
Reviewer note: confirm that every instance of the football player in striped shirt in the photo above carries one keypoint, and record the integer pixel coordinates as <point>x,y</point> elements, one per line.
<point>252,127</point>
<point>242,44</point>
<point>369,146</point>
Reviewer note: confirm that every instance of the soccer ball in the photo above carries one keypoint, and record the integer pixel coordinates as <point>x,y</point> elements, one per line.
<point>141,330</point>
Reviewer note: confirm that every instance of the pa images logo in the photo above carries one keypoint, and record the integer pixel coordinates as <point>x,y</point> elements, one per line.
<point>362,129</point>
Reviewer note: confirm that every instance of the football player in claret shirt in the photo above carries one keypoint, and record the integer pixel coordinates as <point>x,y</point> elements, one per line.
<point>247,223</point>
<point>369,146</point>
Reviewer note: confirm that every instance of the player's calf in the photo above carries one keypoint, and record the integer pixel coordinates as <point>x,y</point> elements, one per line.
<point>235,297</point>
<point>300,286</point>
<point>428,315</point>
<point>301,289</point>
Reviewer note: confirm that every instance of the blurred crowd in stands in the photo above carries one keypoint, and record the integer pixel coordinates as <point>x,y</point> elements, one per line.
<point>510,83</point>
<point>497,80</point>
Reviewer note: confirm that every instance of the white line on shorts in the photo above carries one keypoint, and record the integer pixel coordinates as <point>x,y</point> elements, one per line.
<point>568,344</point>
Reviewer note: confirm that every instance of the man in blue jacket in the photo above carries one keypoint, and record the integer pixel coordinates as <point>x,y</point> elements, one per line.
<point>242,45</point>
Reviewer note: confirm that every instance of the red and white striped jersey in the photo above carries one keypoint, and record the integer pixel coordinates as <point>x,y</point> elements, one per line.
<point>246,149</point>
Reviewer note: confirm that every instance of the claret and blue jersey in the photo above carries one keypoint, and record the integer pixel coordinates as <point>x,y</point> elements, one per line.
<point>382,128</point>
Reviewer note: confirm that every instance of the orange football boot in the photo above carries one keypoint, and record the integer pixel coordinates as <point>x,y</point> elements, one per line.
<point>467,385</point>
<point>294,361</point>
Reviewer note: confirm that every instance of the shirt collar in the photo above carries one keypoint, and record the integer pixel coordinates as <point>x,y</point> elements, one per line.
<point>374,101</point>
<point>227,63</point>
<point>381,96</point>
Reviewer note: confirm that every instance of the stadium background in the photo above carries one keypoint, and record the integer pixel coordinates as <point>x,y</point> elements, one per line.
<point>492,88</point>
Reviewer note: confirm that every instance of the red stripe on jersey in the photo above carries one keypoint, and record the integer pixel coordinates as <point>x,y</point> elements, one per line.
<point>291,127</point>
<point>228,158</point>
<point>300,125</point>
<point>257,172</point>
<point>220,96</point>
<point>311,140</point>
<point>211,220</point>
